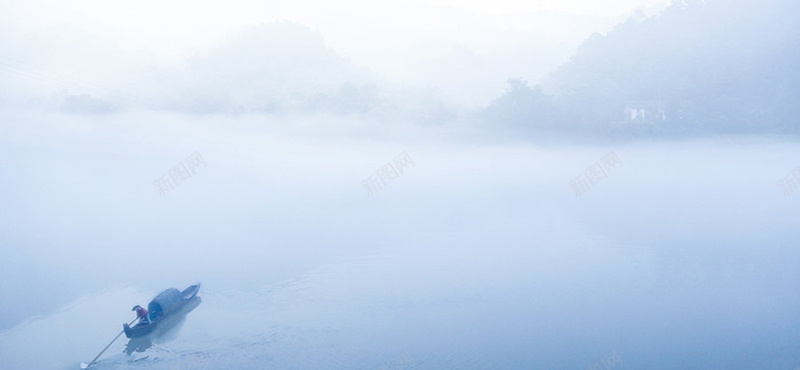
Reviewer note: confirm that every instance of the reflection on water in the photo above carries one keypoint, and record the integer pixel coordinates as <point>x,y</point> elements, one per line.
<point>437,312</point>
<point>166,331</point>
<point>138,345</point>
<point>486,263</point>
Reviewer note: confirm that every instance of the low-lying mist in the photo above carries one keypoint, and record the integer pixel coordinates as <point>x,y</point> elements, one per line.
<point>466,252</point>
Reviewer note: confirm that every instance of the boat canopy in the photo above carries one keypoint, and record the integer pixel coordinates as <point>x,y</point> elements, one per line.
<point>164,303</point>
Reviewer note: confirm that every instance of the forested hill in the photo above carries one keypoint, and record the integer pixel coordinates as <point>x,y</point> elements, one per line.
<point>715,66</point>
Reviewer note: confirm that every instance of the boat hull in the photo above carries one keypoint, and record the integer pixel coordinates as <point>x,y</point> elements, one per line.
<point>173,306</point>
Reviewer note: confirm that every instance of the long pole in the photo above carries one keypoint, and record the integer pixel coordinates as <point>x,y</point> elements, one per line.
<point>109,345</point>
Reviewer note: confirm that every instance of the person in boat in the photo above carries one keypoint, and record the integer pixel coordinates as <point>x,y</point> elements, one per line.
<point>141,314</point>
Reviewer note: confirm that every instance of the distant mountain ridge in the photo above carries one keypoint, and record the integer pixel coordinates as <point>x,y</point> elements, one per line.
<point>269,68</point>
<point>714,66</point>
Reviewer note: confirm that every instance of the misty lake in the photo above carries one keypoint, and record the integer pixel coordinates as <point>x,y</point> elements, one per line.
<point>465,253</point>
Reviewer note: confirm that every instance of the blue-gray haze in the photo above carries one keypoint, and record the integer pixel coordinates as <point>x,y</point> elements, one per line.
<point>636,208</point>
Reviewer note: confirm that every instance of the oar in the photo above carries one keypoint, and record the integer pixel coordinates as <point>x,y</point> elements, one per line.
<point>109,345</point>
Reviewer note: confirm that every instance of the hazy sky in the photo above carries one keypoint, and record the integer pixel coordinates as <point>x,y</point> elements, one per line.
<point>486,253</point>
<point>390,37</point>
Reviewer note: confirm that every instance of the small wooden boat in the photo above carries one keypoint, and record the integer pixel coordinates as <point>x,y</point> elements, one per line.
<point>162,308</point>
